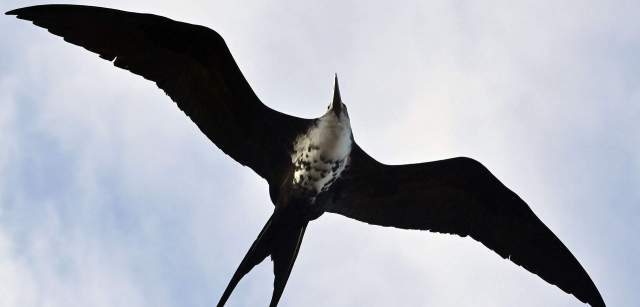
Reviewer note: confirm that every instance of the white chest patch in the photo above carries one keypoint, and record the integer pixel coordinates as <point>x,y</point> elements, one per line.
<point>320,155</point>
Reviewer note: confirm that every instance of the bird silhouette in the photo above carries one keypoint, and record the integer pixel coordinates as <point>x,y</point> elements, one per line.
<point>312,166</point>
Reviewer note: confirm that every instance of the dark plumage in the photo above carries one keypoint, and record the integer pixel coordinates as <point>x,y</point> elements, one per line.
<point>194,67</point>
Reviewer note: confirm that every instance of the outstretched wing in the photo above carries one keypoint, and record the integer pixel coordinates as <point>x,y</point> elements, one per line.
<point>459,196</point>
<point>193,65</point>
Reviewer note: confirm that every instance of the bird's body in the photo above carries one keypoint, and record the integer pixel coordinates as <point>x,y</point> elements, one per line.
<point>321,154</point>
<point>312,166</point>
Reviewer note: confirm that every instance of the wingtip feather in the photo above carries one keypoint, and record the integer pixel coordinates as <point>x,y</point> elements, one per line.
<point>14,12</point>
<point>24,12</point>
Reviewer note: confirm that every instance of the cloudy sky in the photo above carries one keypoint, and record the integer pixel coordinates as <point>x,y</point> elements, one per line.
<point>110,196</point>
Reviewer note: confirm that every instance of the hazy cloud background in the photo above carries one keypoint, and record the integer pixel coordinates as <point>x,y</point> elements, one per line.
<point>110,196</point>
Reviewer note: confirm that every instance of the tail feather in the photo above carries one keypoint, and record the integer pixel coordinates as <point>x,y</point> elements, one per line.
<point>258,251</point>
<point>284,255</point>
<point>280,239</point>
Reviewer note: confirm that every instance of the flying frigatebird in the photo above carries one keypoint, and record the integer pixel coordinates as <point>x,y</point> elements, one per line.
<point>312,166</point>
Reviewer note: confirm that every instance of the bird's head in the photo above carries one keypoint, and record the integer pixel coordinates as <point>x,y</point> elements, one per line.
<point>336,106</point>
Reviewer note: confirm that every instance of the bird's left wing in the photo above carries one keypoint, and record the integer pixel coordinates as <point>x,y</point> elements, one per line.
<point>458,196</point>
<point>193,65</point>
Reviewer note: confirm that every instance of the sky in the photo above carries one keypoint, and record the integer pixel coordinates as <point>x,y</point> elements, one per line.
<point>111,196</point>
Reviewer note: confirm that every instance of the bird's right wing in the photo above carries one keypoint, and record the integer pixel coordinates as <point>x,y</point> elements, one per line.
<point>193,65</point>
<point>458,196</point>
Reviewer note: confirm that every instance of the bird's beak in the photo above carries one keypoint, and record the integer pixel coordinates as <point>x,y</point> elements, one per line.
<point>336,104</point>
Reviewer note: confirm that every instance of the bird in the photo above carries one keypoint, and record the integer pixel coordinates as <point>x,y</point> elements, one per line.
<point>312,166</point>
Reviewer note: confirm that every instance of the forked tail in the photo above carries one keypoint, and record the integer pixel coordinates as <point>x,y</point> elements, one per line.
<point>279,238</point>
